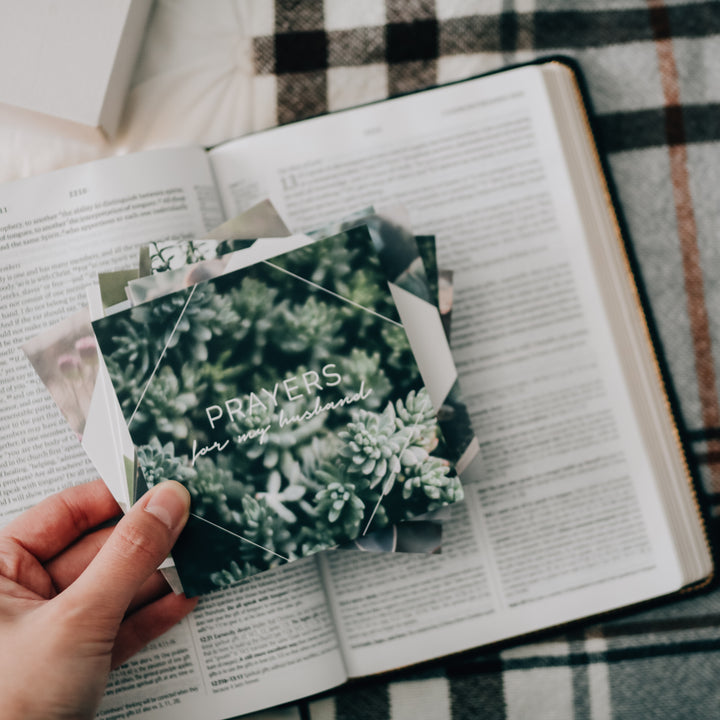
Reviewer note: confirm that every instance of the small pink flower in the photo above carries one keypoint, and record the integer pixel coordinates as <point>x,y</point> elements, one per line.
<point>87,349</point>
<point>69,366</point>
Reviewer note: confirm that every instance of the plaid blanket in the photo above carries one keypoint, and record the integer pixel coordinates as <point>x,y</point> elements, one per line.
<point>653,74</point>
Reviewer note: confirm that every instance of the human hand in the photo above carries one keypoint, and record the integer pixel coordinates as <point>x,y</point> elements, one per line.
<point>76,602</point>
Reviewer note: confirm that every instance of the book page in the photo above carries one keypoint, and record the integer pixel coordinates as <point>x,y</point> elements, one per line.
<point>240,650</point>
<point>266,642</point>
<point>563,518</point>
<point>57,232</point>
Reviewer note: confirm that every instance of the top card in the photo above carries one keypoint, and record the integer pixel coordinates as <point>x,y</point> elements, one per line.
<point>286,397</point>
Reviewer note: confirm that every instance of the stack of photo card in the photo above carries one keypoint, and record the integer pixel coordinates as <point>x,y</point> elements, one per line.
<point>300,386</point>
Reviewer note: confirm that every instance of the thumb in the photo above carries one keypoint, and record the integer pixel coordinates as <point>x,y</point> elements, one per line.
<point>138,544</point>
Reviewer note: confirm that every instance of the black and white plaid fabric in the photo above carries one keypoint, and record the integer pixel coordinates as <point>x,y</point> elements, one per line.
<point>653,74</point>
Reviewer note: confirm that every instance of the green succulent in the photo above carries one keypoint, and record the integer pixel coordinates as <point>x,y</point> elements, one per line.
<point>186,321</point>
<point>340,507</point>
<point>416,410</point>
<point>231,575</point>
<point>124,380</point>
<point>158,463</point>
<point>431,477</point>
<point>364,290</point>
<point>213,379</point>
<point>166,257</point>
<point>373,445</point>
<point>326,264</point>
<point>281,445</point>
<point>315,538</point>
<point>134,348</point>
<point>313,329</point>
<point>361,367</point>
<point>269,536</point>
<point>166,405</point>
<point>399,354</point>
<point>160,257</point>
<point>213,490</point>
<point>258,311</point>
<point>253,298</point>
<point>278,498</point>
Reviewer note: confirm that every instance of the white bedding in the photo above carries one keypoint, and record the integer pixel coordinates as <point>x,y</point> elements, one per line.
<point>193,84</point>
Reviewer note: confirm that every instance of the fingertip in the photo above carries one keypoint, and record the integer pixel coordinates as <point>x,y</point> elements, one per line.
<point>138,544</point>
<point>169,502</point>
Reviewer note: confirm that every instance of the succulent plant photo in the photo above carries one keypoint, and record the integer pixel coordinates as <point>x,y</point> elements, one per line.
<point>286,398</point>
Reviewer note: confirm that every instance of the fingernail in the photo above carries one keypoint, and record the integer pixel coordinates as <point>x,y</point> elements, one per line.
<point>169,502</point>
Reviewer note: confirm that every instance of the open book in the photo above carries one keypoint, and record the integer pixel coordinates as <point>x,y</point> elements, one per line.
<point>580,500</point>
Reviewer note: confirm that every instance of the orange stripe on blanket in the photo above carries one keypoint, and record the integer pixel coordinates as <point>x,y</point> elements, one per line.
<point>687,231</point>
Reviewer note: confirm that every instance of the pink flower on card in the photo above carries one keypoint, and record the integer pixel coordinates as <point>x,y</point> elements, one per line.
<point>69,366</point>
<point>87,349</point>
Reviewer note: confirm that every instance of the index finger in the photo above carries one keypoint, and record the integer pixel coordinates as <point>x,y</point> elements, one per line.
<point>66,567</point>
<point>56,522</point>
